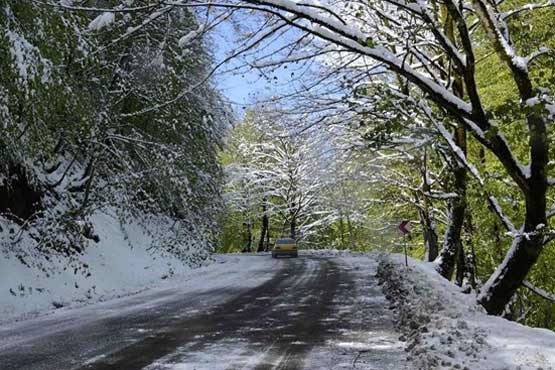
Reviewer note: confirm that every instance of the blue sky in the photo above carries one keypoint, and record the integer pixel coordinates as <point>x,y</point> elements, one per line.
<point>242,89</point>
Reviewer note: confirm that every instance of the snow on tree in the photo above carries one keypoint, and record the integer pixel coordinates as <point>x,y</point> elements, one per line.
<point>278,173</point>
<point>92,124</point>
<point>368,30</point>
<point>429,52</point>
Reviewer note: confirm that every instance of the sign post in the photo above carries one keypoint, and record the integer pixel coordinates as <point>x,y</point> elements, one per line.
<point>404,230</point>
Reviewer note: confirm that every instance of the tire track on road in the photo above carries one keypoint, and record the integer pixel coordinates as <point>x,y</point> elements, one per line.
<point>278,324</point>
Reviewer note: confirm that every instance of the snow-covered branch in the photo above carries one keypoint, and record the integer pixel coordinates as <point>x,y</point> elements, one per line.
<point>542,293</point>
<point>526,8</point>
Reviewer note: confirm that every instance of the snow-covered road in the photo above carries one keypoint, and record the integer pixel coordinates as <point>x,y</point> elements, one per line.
<point>247,312</point>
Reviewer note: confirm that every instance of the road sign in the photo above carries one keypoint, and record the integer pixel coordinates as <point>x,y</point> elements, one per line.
<point>404,227</point>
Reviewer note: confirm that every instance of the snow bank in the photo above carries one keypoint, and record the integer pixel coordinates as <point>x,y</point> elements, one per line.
<point>446,329</point>
<point>120,264</point>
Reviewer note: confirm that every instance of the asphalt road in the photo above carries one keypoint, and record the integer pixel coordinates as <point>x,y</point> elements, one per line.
<point>308,313</point>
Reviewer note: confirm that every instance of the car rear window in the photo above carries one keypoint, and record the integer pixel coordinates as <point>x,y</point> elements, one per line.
<point>285,241</point>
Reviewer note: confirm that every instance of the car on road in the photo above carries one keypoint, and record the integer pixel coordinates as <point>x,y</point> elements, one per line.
<point>285,247</point>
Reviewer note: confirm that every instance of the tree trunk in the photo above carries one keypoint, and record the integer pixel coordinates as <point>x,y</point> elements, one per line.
<point>452,242</point>
<point>263,228</point>
<point>293,226</point>
<point>430,236</point>
<point>342,232</point>
<point>426,217</point>
<point>248,237</point>
<point>350,230</point>
<point>284,227</point>
<point>524,253</point>
<point>293,222</point>
<point>90,173</point>
<point>527,246</point>
<point>461,266</point>
<point>267,244</point>
<point>509,276</point>
<point>470,256</point>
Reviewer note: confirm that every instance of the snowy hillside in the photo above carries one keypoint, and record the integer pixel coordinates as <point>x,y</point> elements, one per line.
<point>77,143</point>
<point>124,261</point>
<point>446,329</point>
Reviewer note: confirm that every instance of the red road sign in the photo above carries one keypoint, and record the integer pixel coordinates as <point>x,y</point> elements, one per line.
<point>404,227</point>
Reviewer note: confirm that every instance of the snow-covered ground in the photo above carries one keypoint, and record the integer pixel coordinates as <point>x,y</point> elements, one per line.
<point>241,312</point>
<point>439,327</point>
<point>446,329</point>
<point>122,263</point>
<point>81,335</point>
<point>366,339</point>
